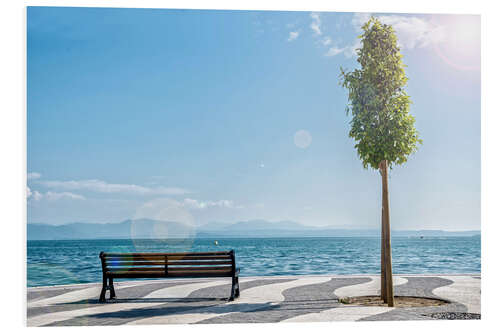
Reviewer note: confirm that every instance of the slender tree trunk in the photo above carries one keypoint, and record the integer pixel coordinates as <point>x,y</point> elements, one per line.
<point>383,293</point>
<point>386,231</point>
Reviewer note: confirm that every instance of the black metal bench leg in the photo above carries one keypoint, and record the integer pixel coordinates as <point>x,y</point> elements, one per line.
<point>235,289</point>
<point>237,292</point>
<point>112,294</point>
<point>102,297</point>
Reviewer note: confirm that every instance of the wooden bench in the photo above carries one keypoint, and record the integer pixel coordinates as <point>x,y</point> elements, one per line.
<point>168,265</point>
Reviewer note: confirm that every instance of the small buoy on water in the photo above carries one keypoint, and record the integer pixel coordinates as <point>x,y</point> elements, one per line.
<point>216,242</point>
<point>421,237</point>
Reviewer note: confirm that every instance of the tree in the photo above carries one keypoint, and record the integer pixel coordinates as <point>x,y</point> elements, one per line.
<point>381,123</point>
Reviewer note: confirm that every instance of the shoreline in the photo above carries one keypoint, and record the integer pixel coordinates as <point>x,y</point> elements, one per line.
<point>161,280</point>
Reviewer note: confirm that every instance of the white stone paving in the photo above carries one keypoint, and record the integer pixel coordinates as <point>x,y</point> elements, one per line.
<point>465,290</point>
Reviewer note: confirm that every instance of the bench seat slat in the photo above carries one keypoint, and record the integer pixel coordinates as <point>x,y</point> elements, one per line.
<point>200,274</point>
<point>135,263</point>
<point>144,274</point>
<point>136,269</point>
<point>199,263</point>
<point>158,274</point>
<point>201,269</point>
<point>170,269</point>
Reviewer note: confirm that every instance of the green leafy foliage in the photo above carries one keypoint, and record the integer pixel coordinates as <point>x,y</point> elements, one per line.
<point>381,123</point>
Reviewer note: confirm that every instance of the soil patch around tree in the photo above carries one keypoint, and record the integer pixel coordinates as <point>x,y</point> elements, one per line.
<point>399,301</point>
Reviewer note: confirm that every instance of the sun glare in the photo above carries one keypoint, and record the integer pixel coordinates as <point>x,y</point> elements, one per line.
<point>461,46</point>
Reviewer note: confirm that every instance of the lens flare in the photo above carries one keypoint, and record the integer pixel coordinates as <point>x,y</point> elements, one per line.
<point>461,49</point>
<point>302,139</point>
<point>163,224</point>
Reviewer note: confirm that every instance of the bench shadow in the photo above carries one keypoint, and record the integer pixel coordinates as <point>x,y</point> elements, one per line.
<point>218,309</point>
<point>148,300</point>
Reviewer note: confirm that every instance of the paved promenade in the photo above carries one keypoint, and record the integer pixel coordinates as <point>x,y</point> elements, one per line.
<point>262,300</point>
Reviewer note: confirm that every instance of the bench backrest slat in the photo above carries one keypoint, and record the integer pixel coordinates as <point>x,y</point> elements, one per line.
<point>170,269</point>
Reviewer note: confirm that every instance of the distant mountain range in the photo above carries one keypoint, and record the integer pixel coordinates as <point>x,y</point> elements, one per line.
<point>146,228</point>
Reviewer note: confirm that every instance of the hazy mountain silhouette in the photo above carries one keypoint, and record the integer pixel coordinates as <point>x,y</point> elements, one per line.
<point>141,228</point>
<point>147,228</point>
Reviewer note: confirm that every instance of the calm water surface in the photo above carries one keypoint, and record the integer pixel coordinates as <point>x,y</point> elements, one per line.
<point>77,261</point>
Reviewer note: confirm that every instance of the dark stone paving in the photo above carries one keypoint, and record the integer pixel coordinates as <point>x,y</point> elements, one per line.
<point>420,287</point>
<point>301,300</point>
<point>200,301</point>
<point>454,315</point>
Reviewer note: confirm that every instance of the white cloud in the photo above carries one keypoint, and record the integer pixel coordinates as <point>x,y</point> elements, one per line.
<point>412,31</point>
<point>195,204</point>
<point>164,209</point>
<point>35,195</point>
<point>326,41</point>
<point>316,23</point>
<point>351,50</point>
<point>348,51</point>
<point>104,187</point>
<point>34,175</point>
<point>333,51</point>
<point>358,19</point>
<point>60,195</point>
<point>293,35</point>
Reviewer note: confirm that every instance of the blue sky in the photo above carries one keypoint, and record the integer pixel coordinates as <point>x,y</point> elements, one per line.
<point>202,116</point>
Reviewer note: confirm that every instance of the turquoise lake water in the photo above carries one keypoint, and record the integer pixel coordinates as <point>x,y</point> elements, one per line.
<point>77,261</point>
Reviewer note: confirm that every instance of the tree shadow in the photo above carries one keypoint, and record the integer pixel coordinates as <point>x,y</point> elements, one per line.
<point>221,309</point>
